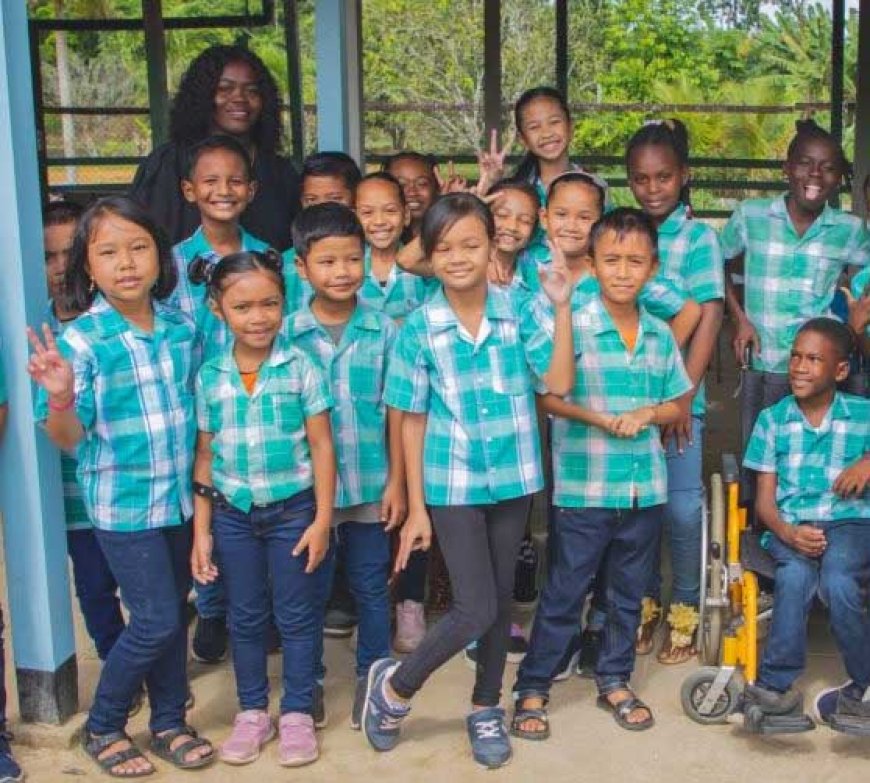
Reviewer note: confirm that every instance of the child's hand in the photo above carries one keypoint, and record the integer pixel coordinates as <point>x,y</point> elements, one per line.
<point>680,430</point>
<point>491,164</point>
<point>556,279</point>
<point>315,539</point>
<point>745,337</point>
<point>416,534</point>
<point>629,424</point>
<point>854,480</point>
<point>859,310</point>
<point>201,565</point>
<point>806,539</point>
<point>394,505</point>
<point>48,368</point>
<point>454,183</point>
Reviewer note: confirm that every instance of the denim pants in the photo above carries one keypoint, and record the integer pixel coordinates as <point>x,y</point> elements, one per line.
<point>254,553</point>
<point>152,568</point>
<point>581,537</point>
<point>841,576</point>
<point>211,600</point>
<point>96,590</point>
<point>364,550</point>
<point>682,521</point>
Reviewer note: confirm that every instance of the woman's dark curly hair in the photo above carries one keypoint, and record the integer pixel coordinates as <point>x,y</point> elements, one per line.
<point>193,105</point>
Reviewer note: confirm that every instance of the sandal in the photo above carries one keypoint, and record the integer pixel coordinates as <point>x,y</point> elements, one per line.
<point>621,710</point>
<point>522,714</point>
<point>680,626</point>
<point>94,744</point>
<point>161,745</point>
<point>650,614</point>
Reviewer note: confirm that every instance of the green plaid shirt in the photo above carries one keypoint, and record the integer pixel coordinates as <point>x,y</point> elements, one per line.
<point>75,513</point>
<point>481,444</point>
<point>260,453</point>
<point>134,399</point>
<point>861,287</point>
<point>690,258</point>
<point>789,279</point>
<point>297,291</point>
<point>402,294</point>
<point>356,369</point>
<point>592,468</point>
<point>807,461</point>
<point>190,298</point>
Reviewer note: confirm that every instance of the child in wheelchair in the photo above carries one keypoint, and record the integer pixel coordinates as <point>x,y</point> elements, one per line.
<point>811,452</point>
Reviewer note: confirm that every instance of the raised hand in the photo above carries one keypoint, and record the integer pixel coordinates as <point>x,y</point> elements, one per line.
<point>491,164</point>
<point>455,183</point>
<point>859,310</point>
<point>47,366</point>
<point>556,278</point>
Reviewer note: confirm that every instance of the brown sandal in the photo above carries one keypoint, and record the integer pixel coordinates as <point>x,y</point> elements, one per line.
<point>650,616</point>
<point>679,644</point>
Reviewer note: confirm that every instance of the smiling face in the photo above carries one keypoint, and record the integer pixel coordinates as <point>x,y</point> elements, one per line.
<point>815,368</point>
<point>252,305</point>
<point>123,260</point>
<point>237,100</point>
<point>461,255</point>
<point>545,130</point>
<point>572,210</point>
<point>623,265</point>
<point>381,212</point>
<point>417,182</point>
<point>219,186</point>
<point>656,178</point>
<point>814,173</point>
<point>515,214</point>
<point>334,267</point>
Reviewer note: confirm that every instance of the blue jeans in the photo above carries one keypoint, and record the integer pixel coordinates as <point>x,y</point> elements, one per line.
<point>841,576</point>
<point>682,522</point>
<point>211,600</point>
<point>152,568</point>
<point>580,539</point>
<point>254,552</point>
<point>96,590</point>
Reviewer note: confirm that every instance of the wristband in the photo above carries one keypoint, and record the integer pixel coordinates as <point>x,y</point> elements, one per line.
<point>52,405</point>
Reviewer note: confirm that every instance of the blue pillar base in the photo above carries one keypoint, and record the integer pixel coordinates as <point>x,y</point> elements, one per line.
<point>48,697</point>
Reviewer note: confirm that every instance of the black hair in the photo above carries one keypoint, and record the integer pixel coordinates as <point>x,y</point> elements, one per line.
<point>429,161</point>
<point>78,282</point>
<point>214,275</point>
<point>528,168</point>
<point>836,332</point>
<point>521,185</point>
<point>670,133</point>
<point>59,213</point>
<point>321,221</point>
<point>622,221</point>
<point>190,117</point>
<point>809,130</point>
<point>218,141</point>
<point>446,211</point>
<point>385,176</point>
<point>333,164</point>
<point>572,177</point>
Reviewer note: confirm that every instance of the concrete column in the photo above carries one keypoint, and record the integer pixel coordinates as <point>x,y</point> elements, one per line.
<point>31,497</point>
<point>862,109</point>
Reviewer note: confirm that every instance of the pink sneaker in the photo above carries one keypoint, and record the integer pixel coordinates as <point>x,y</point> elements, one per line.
<point>298,745</point>
<point>251,730</point>
<point>410,626</point>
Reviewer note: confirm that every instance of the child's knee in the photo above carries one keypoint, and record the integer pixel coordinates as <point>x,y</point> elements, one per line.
<point>797,577</point>
<point>839,588</point>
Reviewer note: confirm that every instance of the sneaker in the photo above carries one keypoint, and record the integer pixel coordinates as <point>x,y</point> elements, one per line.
<point>410,626</point>
<point>10,772</point>
<point>590,646</point>
<point>251,730</point>
<point>844,702</point>
<point>298,744</point>
<point>339,623</point>
<point>517,645</point>
<point>382,720</point>
<point>318,707</point>
<point>210,640</point>
<point>569,662</point>
<point>359,700</point>
<point>490,744</point>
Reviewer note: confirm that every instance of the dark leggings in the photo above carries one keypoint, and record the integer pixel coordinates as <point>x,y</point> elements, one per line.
<point>480,546</point>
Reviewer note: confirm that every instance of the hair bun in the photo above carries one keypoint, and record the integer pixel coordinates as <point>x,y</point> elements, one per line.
<point>199,270</point>
<point>273,258</point>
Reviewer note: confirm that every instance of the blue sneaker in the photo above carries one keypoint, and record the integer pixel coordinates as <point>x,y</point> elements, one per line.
<point>490,744</point>
<point>844,709</point>
<point>10,772</point>
<point>381,721</point>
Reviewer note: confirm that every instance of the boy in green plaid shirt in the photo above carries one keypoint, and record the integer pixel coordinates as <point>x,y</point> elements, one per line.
<point>351,341</point>
<point>811,452</point>
<point>609,474</point>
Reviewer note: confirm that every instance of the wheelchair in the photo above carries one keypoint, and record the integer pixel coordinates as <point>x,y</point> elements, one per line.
<point>733,616</point>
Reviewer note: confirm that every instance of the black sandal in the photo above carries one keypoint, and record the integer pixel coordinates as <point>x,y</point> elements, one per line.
<point>522,714</point>
<point>161,745</point>
<point>622,709</point>
<point>94,744</point>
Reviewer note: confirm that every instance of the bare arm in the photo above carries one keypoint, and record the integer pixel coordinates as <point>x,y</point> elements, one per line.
<point>394,506</point>
<point>556,406</point>
<point>411,259</point>
<point>807,540</point>
<point>315,539</point>
<point>684,322</point>
<point>4,414</point>
<point>201,564</point>
<point>561,373</point>
<point>746,335</point>
<point>417,531</point>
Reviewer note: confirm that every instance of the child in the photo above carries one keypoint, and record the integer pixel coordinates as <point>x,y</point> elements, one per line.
<point>657,163</point>
<point>350,342</point>
<point>416,174</point>
<point>462,371</point>
<point>609,474</point>
<point>117,387</point>
<point>264,440</point>
<point>794,249</point>
<point>96,588</point>
<point>811,451</point>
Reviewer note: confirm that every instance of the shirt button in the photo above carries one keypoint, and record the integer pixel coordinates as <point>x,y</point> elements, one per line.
<point>484,410</point>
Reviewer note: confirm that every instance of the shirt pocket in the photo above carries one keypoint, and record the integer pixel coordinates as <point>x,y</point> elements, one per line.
<point>828,265</point>
<point>282,405</point>
<point>510,374</point>
<point>366,377</point>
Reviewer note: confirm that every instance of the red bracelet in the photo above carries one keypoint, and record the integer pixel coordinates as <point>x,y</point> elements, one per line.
<point>61,408</point>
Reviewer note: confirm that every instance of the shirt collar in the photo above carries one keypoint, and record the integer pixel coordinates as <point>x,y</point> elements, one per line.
<point>839,410</point>
<point>109,322</point>
<point>599,320</point>
<point>198,245</point>
<point>441,317</point>
<point>303,320</point>
<point>283,352</point>
<point>779,209</point>
<point>674,222</point>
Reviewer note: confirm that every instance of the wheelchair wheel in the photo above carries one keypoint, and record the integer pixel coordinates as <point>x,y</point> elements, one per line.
<point>713,565</point>
<point>694,691</point>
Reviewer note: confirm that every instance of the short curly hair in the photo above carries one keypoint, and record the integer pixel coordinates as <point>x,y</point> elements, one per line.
<point>193,105</point>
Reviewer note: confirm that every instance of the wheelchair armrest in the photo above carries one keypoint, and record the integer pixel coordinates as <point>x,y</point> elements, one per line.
<point>730,470</point>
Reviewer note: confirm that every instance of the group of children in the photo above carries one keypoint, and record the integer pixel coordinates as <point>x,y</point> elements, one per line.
<point>258,420</point>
